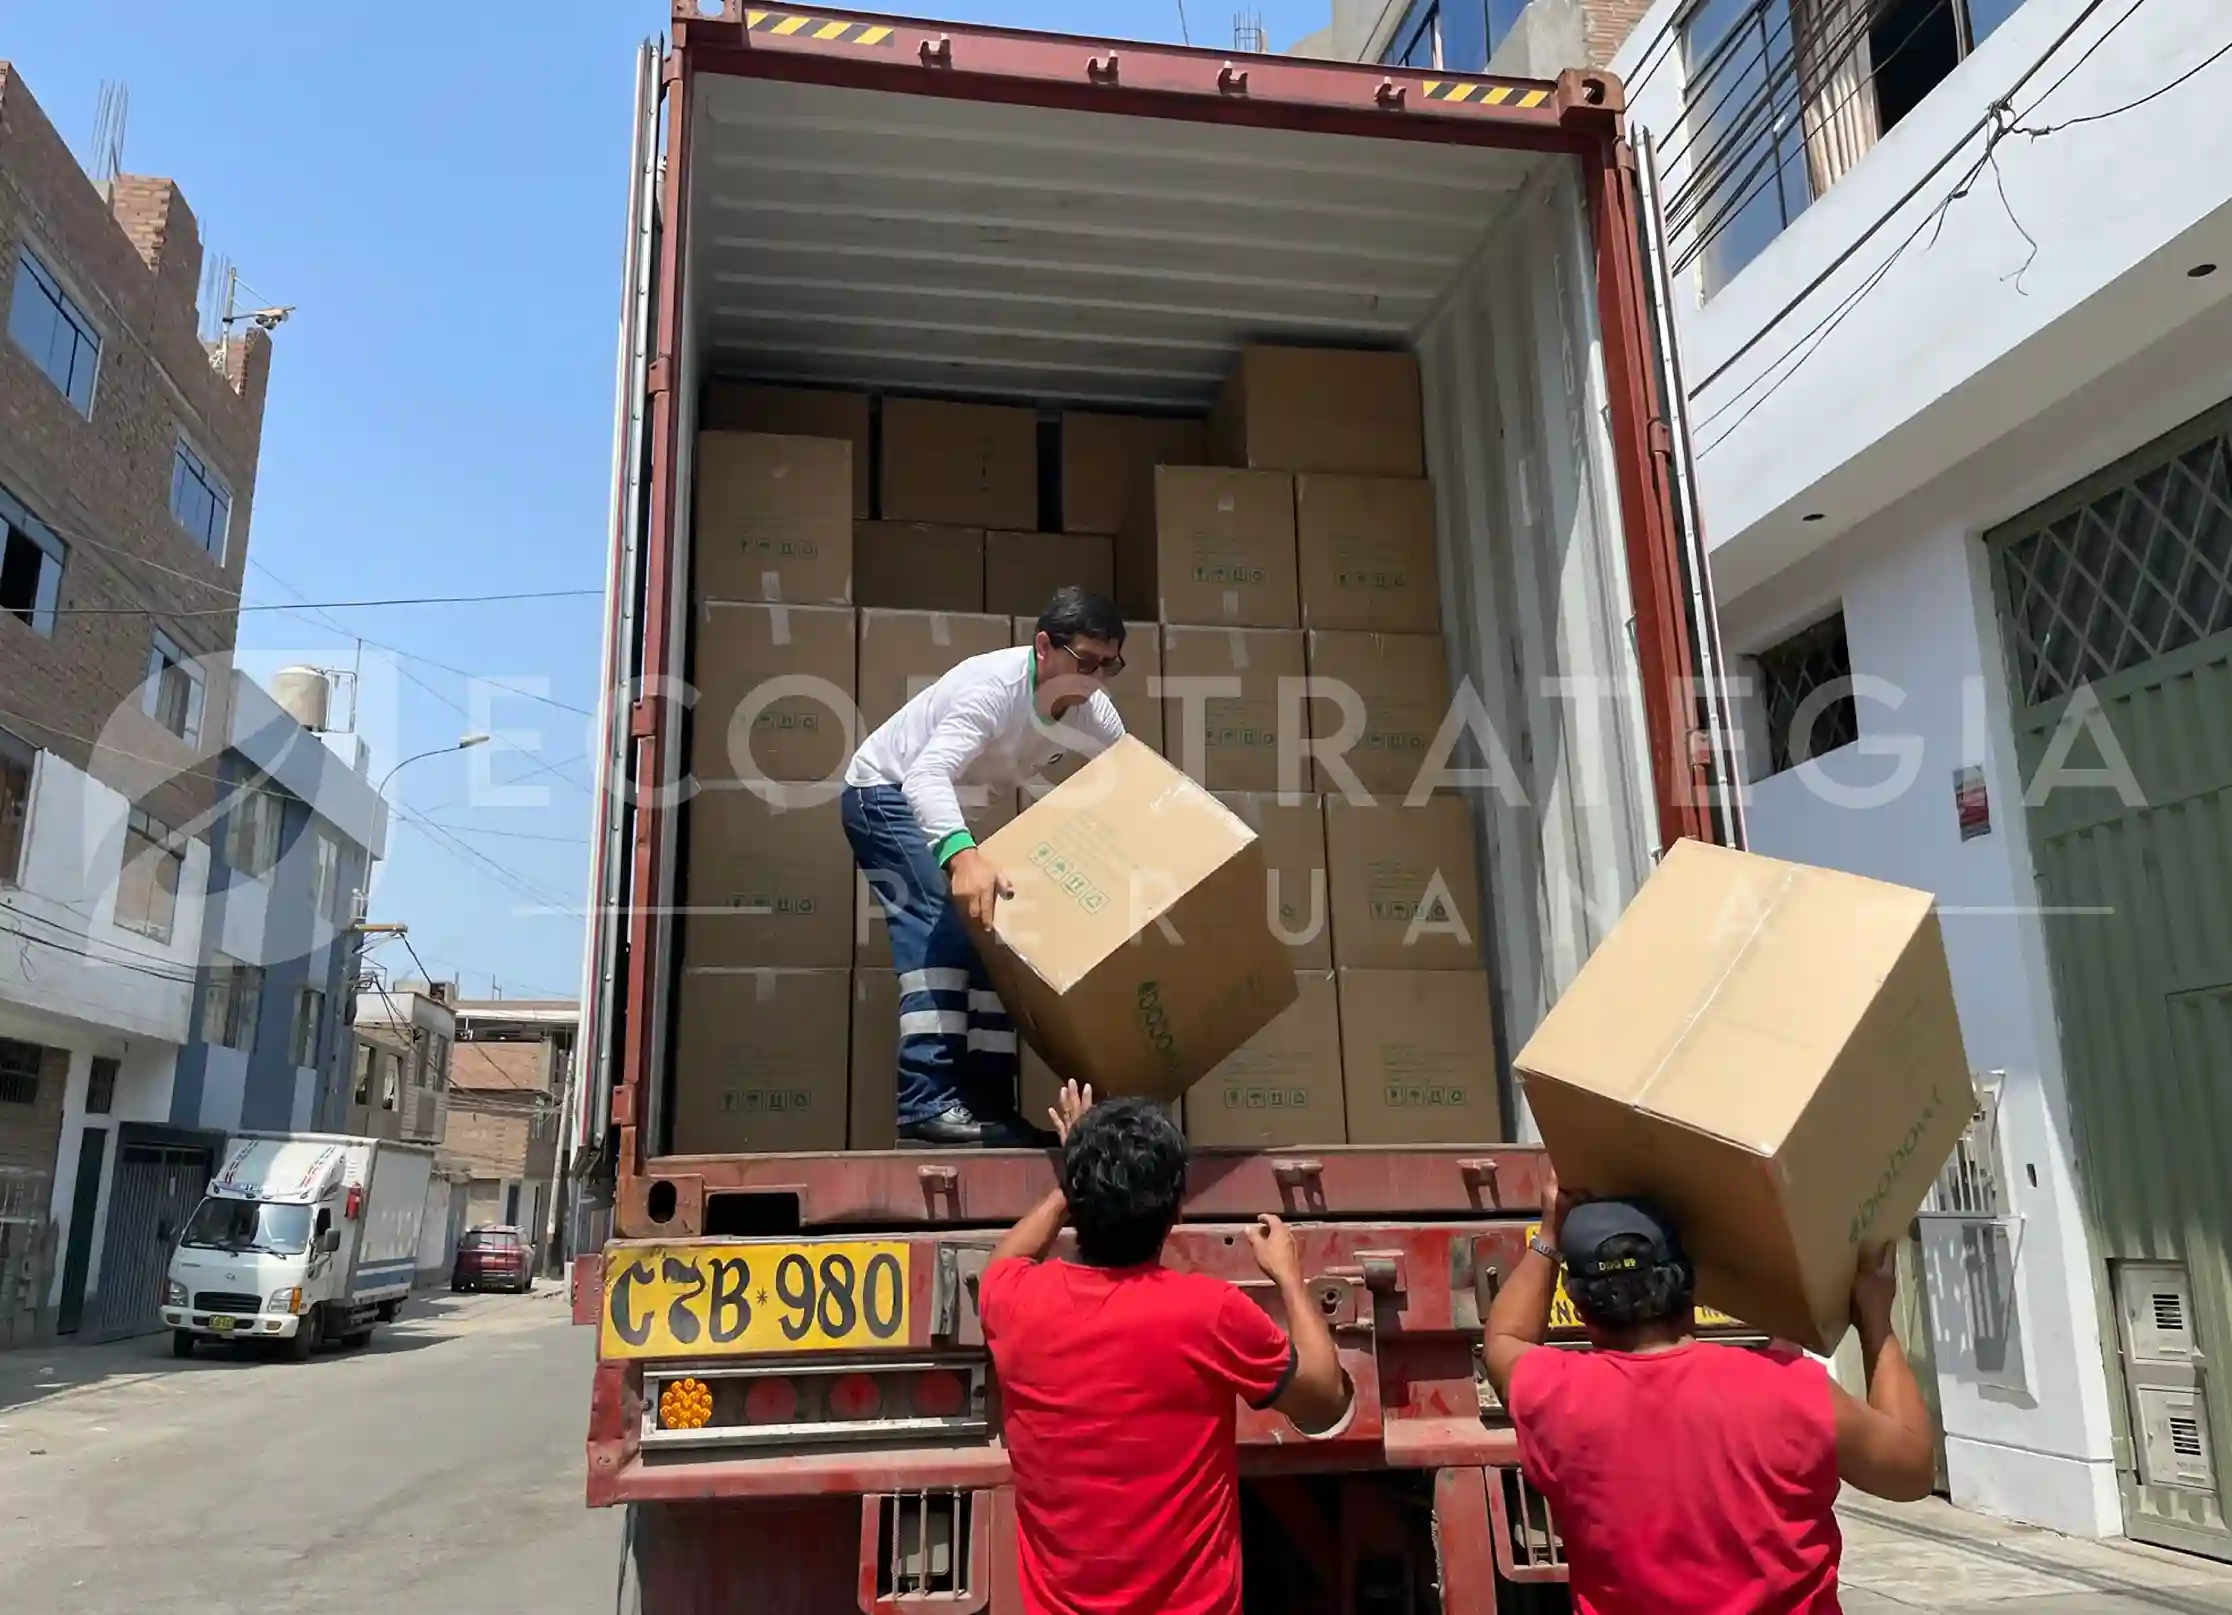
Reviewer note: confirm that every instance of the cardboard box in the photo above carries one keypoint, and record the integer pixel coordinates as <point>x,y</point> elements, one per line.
<point>960,465</point>
<point>1284,1085</point>
<point>1108,466</point>
<point>1133,954</point>
<point>1297,904</point>
<point>773,519</point>
<point>1221,706</point>
<point>912,566</point>
<point>1224,548</point>
<point>1419,1050</point>
<point>903,653</point>
<point>985,810</point>
<point>760,1060</point>
<point>1376,701</point>
<point>802,734</point>
<point>766,885</point>
<point>735,406</point>
<point>1406,884</point>
<point>1365,552</point>
<point>1772,1052</point>
<point>1022,570</point>
<point>1038,1088</point>
<point>1321,409</point>
<point>1136,692</point>
<point>874,1123</point>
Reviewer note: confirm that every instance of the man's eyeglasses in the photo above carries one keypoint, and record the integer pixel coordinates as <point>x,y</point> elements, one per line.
<point>1093,666</point>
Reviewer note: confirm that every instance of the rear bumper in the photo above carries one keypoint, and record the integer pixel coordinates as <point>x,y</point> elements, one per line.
<point>246,1326</point>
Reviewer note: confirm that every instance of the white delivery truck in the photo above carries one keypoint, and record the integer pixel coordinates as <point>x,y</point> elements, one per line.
<point>301,1237</point>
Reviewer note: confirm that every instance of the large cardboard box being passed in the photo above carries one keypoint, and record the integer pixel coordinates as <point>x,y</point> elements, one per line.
<point>1771,1051</point>
<point>1133,953</point>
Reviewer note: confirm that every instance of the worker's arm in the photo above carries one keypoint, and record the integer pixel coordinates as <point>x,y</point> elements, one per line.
<point>1519,1320</point>
<point>1317,1393</point>
<point>930,789</point>
<point>1031,1239</point>
<point>1885,1446</point>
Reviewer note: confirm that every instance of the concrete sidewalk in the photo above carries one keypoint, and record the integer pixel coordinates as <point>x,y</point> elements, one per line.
<point>1930,1556</point>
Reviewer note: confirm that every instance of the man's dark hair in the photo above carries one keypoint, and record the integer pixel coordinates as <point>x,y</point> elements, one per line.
<point>1076,613</point>
<point>1648,1289</point>
<point>1124,1171</point>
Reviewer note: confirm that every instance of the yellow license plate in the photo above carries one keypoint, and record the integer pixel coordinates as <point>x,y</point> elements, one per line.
<point>731,1299</point>
<point>1562,1315</point>
<point>221,1325</point>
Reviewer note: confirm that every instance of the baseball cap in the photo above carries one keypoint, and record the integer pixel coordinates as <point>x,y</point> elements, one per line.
<point>1592,1224</point>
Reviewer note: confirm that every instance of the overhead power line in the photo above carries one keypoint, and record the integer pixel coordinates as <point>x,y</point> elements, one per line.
<point>336,605</point>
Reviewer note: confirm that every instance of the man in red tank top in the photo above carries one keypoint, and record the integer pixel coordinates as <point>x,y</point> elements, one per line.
<point>1689,1478</point>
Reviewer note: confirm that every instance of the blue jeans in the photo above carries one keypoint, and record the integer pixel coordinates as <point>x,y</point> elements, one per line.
<point>956,1044</point>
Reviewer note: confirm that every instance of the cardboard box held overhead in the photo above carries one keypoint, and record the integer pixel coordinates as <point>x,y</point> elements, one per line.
<point>773,519</point>
<point>1770,1051</point>
<point>1133,954</point>
<point>960,465</point>
<point>1321,409</point>
<point>760,1060</point>
<point>736,406</point>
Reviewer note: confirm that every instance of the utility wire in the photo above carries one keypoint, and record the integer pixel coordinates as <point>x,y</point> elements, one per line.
<point>338,605</point>
<point>2004,123</point>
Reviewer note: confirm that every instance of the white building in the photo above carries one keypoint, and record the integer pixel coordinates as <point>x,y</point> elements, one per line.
<point>1959,364</point>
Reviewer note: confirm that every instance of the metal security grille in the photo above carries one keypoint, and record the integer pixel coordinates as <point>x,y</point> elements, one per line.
<point>1805,686</point>
<point>2141,566</point>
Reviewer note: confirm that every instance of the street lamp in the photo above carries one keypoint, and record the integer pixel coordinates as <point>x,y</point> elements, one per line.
<point>461,743</point>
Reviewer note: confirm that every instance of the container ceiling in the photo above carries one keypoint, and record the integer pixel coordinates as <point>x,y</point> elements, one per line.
<point>914,243</point>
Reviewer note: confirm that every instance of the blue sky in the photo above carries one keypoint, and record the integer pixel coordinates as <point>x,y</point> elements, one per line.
<point>438,192</point>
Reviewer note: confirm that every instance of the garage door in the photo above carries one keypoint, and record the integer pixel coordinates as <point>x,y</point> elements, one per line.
<point>2116,598</point>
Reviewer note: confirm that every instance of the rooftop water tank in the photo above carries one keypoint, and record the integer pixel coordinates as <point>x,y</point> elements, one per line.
<point>305,694</point>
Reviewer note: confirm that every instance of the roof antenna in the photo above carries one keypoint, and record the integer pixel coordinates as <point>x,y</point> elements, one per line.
<point>1184,33</point>
<point>112,110</point>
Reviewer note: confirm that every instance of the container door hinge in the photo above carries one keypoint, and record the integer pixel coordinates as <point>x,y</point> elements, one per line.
<point>660,376</point>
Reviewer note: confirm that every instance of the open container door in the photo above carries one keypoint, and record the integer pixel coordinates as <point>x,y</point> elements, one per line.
<point>603,1010</point>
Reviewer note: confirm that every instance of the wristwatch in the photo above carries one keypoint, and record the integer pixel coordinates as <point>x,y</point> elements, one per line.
<point>1543,1247</point>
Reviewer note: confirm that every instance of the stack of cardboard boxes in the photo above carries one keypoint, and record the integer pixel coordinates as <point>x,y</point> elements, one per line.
<point>1277,565</point>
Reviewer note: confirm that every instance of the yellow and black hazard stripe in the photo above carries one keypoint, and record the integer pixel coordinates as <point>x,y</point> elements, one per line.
<point>1485,95</point>
<point>827,29</point>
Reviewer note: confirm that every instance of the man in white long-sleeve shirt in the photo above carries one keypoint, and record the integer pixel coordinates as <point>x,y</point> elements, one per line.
<point>989,725</point>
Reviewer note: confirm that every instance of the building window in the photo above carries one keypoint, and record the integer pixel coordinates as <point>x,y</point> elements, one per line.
<point>1747,177</point>
<point>1805,687</point>
<point>172,695</point>
<point>31,559</point>
<point>325,876</point>
<point>100,1085</point>
<point>231,1004</point>
<point>18,765</point>
<point>391,1083</point>
<point>46,323</point>
<point>200,500</point>
<point>254,830</point>
<point>363,1092</point>
<point>147,884</point>
<point>19,1072</point>
<point>309,1026</point>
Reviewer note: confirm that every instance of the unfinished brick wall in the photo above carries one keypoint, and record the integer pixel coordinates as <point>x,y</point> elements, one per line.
<point>1607,24</point>
<point>132,261</point>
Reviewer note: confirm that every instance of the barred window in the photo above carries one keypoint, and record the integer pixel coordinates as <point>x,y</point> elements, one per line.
<point>1805,685</point>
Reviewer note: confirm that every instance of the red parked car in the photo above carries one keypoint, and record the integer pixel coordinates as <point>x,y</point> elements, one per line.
<point>493,1257</point>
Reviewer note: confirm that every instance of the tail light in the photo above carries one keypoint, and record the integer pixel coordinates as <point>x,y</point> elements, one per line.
<point>814,1403</point>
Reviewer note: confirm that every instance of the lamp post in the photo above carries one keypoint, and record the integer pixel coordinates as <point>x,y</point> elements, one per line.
<point>461,743</point>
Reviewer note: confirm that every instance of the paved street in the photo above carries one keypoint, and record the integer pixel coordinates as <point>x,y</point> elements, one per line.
<point>441,1470</point>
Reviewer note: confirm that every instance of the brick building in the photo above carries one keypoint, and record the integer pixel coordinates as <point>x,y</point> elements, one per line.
<point>128,452</point>
<point>507,1080</point>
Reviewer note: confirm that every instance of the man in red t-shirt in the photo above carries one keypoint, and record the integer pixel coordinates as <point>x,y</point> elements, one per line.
<point>1689,1478</point>
<point>1120,1380</point>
